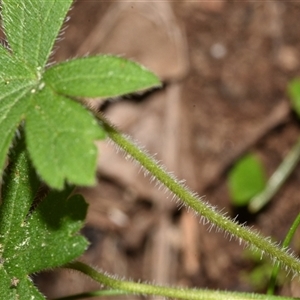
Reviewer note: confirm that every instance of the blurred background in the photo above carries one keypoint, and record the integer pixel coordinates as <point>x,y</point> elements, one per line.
<point>225,66</point>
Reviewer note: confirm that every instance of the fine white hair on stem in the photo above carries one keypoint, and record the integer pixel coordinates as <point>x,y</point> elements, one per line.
<point>208,213</point>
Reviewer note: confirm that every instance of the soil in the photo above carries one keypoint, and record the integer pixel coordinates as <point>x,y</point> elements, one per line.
<point>225,66</point>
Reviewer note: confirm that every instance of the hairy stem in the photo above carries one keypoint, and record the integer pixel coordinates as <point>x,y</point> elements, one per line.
<point>178,293</point>
<point>210,213</point>
<point>100,293</point>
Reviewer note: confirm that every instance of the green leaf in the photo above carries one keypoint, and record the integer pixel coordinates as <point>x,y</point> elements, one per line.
<point>60,133</point>
<point>99,76</point>
<point>246,179</point>
<point>15,82</point>
<point>294,94</point>
<point>31,28</point>
<point>34,240</point>
<point>67,131</point>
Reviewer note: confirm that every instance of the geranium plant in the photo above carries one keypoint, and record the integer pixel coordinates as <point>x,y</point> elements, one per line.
<point>47,147</point>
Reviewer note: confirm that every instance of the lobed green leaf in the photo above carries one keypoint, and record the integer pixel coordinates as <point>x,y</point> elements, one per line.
<point>67,131</point>
<point>20,183</point>
<point>99,76</point>
<point>32,239</point>
<point>15,81</point>
<point>31,28</point>
<point>59,131</point>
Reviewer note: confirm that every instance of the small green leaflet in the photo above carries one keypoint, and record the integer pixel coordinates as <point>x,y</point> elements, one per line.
<point>36,239</point>
<point>99,76</point>
<point>246,179</point>
<point>70,130</point>
<point>60,133</point>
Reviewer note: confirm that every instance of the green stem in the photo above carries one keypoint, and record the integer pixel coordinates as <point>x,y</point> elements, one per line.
<point>277,179</point>
<point>178,293</point>
<point>209,213</point>
<point>285,244</point>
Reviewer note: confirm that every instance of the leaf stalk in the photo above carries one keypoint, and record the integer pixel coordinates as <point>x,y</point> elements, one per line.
<point>177,293</point>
